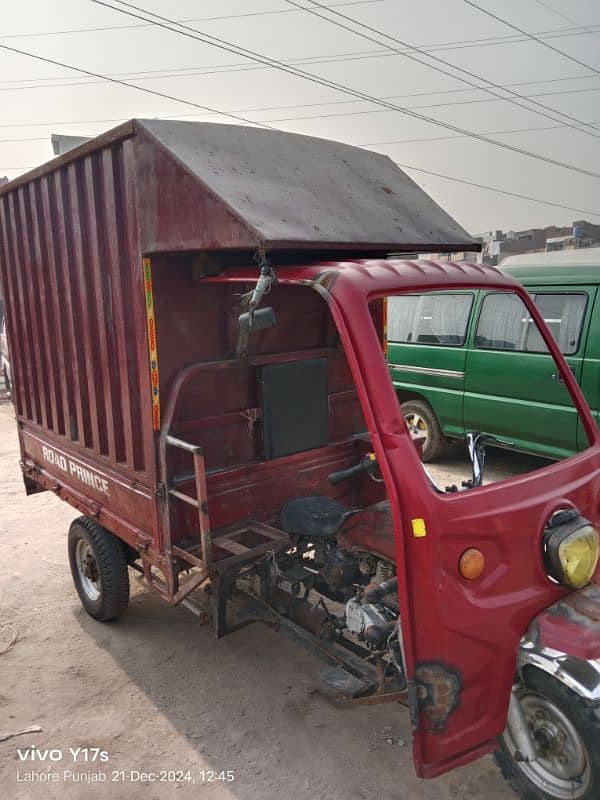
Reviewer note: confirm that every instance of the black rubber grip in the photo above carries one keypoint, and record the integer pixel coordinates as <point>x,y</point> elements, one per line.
<point>337,477</point>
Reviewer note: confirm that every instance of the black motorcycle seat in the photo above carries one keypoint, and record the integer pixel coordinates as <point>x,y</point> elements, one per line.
<point>314,516</point>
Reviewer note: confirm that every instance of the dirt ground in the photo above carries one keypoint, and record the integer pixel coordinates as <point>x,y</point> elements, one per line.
<point>157,692</point>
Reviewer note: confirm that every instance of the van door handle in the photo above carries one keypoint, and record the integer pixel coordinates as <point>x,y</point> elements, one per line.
<point>556,376</point>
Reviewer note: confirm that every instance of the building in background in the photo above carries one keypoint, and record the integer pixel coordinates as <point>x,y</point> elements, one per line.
<point>497,245</point>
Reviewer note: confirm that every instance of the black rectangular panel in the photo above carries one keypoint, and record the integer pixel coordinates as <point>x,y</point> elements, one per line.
<point>295,409</point>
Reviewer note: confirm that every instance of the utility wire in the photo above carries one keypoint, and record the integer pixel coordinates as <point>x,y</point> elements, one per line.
<point>222,44</point>
<point>587,28</point>
<point>497,191</point>
<point>446,104</point>
<point>459,44</point>
<point>145,75</point>
<point>419,107</point>
<point>532,37</point>
<point>446,138</point>
<point>513,99</point>
<point>456,180</point>
<point>197,19</point>
<point>418,140</point>
<point>132,86</point>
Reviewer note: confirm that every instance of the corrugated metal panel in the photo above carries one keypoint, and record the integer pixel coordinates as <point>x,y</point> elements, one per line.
<point>69,258</point>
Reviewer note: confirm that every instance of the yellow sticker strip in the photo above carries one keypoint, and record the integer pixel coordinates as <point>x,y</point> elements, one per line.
<point>152,348</point>
<point>419,529</point>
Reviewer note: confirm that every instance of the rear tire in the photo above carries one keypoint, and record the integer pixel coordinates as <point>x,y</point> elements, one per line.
<point>99,568</point>
<point>566,733</point>
<point>420,416</point>
<point>7,384</point>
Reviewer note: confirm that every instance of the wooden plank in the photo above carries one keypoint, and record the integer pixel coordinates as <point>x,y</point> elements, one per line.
<point>234,547</point>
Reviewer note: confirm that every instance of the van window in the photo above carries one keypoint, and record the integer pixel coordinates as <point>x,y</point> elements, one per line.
<point>563,314</point>
<point>504,323</point>
<point>438,319</point>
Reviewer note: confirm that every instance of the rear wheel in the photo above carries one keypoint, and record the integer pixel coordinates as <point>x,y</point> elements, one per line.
<point>565,730</point>
<point>99,568</point>
<point>422,421</point>
<point>7,385</point>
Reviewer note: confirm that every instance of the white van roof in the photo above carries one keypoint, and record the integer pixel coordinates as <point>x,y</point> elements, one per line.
<point>582,256</point>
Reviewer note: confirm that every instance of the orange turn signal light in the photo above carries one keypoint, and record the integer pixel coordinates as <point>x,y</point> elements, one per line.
<point>471,564</point>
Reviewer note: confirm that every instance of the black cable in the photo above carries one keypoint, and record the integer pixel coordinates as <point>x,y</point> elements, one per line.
<point>498,191</point>
<point>532,36</point>
<point>133,86</point>
<point>142,76</point>
<point>465,182</point>
<point>514,100</point>
<point>222,44</point>
<point>360,144</point>
<point>420,107</point>
<point>196,19</point>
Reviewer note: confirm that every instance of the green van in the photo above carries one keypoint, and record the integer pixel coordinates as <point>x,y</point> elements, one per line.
<point>472,360</point>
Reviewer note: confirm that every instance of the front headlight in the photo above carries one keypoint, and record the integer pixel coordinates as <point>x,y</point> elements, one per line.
<point>571,548</point>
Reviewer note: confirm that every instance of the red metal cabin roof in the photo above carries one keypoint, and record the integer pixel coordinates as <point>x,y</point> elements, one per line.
<point>376,275</point>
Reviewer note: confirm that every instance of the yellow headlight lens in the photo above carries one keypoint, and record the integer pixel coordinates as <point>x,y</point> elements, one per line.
<point>578,556</point>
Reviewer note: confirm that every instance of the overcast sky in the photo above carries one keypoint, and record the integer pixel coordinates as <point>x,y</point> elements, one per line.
<point>38,98</point>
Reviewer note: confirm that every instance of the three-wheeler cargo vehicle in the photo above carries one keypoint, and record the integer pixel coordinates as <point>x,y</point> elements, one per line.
<point>196,318</point>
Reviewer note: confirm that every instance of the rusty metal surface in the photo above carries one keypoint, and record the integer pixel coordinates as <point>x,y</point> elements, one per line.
<point>281,190</point>
<point>438,692</point>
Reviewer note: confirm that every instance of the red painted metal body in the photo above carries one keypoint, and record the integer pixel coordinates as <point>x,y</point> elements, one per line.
<point>132,407</point>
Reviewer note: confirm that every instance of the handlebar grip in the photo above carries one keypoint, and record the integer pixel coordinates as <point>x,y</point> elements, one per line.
<point>342,474</point>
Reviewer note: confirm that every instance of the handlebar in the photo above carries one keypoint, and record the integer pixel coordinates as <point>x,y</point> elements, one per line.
<point>367,464</point>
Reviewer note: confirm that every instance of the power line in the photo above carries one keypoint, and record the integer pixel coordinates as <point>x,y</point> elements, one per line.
<point>197,19</point>
<point>133,86</point>
<point>460,44</point>
<point>497,98</point>
<point>429,105</point>
<point>498,191</point>
<point>29,139</point>
<point>587,28</point>
<point>445,138</point>
<point>229,47</point>
<point>145,75</point>
<point>514,100</point>
<point>322,103</point>
<point>494,189</point>
<point>532,37</point>
<point>418,140</point>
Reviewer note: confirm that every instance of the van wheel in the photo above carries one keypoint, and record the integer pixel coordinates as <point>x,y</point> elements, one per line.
<point>421,419</point>
<point>99,568</point>
<point>565,730</point>
<point>7,385</point>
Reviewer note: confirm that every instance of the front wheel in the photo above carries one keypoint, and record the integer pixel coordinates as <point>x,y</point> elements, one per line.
<point>99,567</point>
<point>565,731</point>
<point>422,421</point>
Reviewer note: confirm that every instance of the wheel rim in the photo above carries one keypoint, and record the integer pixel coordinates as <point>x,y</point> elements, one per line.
<point>562,768</point>
<point>87,569</point>
<point>417,425</point>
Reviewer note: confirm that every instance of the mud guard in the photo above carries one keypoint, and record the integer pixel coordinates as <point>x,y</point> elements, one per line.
<point>564,641</point>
